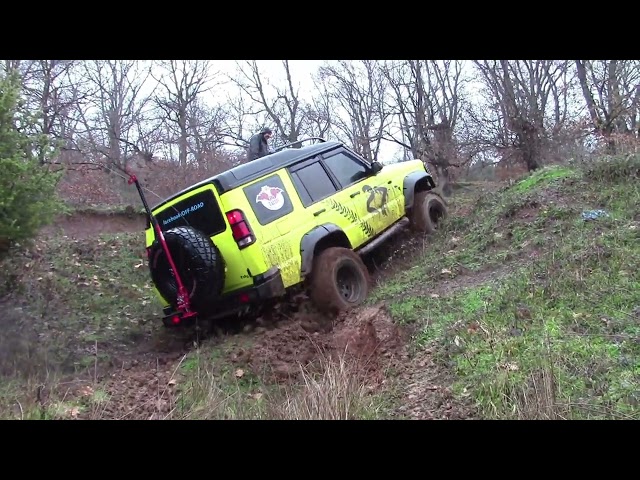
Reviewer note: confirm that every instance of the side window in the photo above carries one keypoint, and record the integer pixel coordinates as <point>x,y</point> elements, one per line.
<point>346,169</point>
<point>313,183</point>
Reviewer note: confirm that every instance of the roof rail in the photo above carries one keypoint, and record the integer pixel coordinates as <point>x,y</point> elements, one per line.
<point>299,141</point>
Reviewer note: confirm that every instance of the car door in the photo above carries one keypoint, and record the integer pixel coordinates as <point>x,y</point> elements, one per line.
<point>319,195</point>
<point>372,196</point>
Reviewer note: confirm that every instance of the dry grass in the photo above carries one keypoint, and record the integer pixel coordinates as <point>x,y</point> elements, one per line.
<point>338,392</point>
<point>537,397</point>
<point>333,389</point>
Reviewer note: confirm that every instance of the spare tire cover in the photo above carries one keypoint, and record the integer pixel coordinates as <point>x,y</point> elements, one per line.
<point>199,264</point>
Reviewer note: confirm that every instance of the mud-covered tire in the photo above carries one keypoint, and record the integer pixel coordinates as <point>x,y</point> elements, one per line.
<point>429,209</point>
<point>198,261</point>
<point>339,280</point>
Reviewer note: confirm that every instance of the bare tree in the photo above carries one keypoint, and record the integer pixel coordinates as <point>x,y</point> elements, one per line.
<point>10,65</point>
<point>357,89</point>
<point>320,113</point>
<point>181,83</point>
<point>280,103</point>
<point>529,103</point>
<point>235,126</point>
<point>427,101</point>
<point>206,129</point>
<point>53,90</point>
<point>113,116</point>
<point>611,90</point>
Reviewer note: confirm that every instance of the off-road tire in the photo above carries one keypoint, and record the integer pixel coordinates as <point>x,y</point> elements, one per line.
<point>429,209</point>
<point>339,280</point>
<point>199,263</point>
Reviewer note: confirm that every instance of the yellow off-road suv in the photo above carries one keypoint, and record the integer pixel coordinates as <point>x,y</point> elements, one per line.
<point>299,217</point>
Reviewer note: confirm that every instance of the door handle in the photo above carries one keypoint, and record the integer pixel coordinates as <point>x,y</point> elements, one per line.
<point>354,194</point>
<point>315,214</point>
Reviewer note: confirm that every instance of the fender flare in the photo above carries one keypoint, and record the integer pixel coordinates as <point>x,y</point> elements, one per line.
<point>409,186</point>
<point>309,242</point>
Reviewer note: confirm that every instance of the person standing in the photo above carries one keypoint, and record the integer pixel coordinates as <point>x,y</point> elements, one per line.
<point>258,144</point>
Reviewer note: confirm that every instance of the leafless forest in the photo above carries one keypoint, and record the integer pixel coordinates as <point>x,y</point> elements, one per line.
<point>175,121</point>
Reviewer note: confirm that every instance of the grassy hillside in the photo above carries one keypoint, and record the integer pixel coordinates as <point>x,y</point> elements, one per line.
<point>525,305</point>
<point>534,307</point>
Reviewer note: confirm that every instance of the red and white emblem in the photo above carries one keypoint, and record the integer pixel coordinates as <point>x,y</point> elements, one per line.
<point>271,197</point>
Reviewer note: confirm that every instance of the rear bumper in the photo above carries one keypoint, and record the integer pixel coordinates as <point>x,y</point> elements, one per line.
<point>268,285</point>
<point>265,286</point>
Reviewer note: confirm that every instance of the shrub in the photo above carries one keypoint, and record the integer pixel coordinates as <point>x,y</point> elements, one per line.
<point>27,188</point>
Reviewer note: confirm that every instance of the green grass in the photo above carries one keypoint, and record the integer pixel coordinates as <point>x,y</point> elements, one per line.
<point>81,295</point>
<point>559,335</point>
<point>541,178</point>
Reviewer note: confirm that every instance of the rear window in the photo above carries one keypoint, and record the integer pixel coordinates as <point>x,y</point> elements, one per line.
<point>200,211</point>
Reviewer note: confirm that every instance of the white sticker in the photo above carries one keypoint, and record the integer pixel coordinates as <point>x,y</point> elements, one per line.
<point>271,197</point>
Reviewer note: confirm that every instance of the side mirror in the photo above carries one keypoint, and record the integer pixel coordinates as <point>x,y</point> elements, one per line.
<point>376,167</point>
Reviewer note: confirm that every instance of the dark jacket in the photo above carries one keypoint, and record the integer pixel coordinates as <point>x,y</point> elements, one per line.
<point>257,147</point>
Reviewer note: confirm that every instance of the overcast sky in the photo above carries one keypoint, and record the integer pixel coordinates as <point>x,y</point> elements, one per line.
<point>301,73</point>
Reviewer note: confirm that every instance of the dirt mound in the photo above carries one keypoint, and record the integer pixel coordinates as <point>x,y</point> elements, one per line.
<point>365,337</point>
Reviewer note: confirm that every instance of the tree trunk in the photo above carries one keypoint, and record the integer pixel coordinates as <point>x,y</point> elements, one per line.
<point>183,140</point>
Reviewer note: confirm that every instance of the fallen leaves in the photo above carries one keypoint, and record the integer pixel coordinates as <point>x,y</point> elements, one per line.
<point>86,391</point>
<point>509,366</point>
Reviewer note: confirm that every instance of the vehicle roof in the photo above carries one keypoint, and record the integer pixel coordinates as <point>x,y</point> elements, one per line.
<point>247,172</point>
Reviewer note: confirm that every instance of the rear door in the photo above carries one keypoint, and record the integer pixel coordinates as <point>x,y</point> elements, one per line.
<point>198,208</point>
<point>273,214</point>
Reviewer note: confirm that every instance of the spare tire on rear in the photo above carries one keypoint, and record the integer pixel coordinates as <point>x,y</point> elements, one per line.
<point>199,264</point>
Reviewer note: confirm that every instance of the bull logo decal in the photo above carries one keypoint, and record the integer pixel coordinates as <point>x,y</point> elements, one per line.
<point>271,197</point>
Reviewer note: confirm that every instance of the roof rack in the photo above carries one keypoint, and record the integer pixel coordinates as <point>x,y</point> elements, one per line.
<point>298,141</point>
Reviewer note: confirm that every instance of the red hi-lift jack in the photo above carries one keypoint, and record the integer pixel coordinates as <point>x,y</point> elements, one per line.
<point>184,306</point>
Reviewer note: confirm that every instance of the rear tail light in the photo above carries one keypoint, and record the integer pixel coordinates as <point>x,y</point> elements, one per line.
<point>240,228</point>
